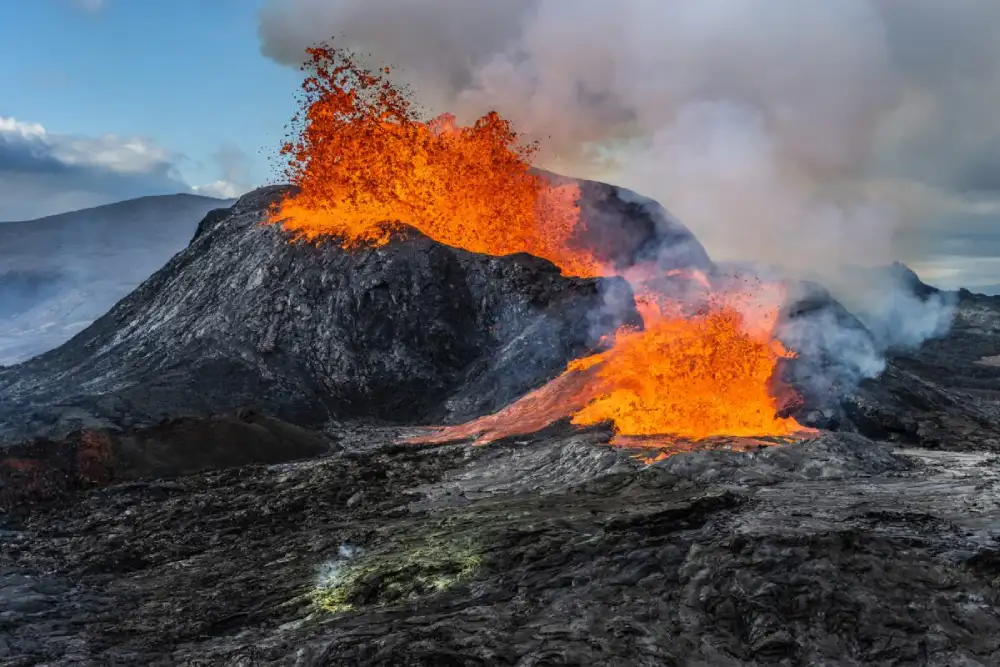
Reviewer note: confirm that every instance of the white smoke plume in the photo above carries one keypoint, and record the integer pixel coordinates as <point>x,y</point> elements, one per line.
<point>838,348</point>
<point>809,134</point>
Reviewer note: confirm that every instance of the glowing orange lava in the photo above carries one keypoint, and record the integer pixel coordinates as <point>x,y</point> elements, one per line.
<point>364,162</point>
<point>688,376</point>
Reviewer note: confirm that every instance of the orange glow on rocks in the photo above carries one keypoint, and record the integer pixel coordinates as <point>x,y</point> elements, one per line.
<point>364,162</point>
<point>687,376</point>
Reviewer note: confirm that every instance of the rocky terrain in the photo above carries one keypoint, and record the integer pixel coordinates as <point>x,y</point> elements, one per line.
<point>213,474</point>
<point>413,331</point>
<point>556,550</point>
<point>60,273</point>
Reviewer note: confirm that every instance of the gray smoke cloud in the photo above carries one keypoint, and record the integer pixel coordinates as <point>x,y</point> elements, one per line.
<point>898,310</point>
<point>810,135</point>
<point>840,347</point>
<point>804,133</point>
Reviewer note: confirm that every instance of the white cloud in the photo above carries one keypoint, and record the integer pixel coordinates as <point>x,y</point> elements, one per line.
<point>123,155</point>
<point>12,126</point>
<point>221,189</point>
<point>43,173</point>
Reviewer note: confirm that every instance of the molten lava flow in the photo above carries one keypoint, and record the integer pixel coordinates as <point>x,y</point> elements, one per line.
<point>364,162</point>
<point>693,377</point>
<point>559,398</point>
<point>687,376</point>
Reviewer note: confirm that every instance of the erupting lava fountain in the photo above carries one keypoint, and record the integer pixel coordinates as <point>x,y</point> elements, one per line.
<point>364,162</point>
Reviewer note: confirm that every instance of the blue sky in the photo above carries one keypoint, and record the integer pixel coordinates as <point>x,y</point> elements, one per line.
<point>186,76</point>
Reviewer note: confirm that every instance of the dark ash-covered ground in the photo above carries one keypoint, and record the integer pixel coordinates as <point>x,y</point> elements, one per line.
<point>555,551</point>
<point>235,532</point>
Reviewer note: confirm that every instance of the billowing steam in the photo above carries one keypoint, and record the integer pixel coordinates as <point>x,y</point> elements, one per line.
<point>810,135</point>
<point>801,133</point>
<point>838,349</point>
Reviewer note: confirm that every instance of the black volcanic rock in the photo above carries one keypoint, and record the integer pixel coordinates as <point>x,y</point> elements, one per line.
<point>625,228</point>
<point>410,332</point>
<point>45,470</point>
<point>563,551</point>
<point>944,395</point>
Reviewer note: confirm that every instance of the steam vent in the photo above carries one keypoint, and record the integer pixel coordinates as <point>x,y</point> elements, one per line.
<point>427,404</point>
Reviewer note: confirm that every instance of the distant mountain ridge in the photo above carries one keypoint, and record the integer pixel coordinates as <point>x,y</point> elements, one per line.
<point>988,290</point>
<point>61,272</point>
<point>137,204</point>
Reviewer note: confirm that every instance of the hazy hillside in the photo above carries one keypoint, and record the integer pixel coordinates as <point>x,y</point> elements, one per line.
<point>60,273</point>
<point>989,290</point>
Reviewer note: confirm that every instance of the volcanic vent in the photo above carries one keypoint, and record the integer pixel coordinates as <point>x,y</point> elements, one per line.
<point>422,272</point>
<point>364,162</point>
<point>701,364</point>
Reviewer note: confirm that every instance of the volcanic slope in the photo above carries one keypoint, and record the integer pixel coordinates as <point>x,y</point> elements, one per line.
<point>545,549</point>
<point>549,550</point>
<point>60,273</point>
<point>412,331</point>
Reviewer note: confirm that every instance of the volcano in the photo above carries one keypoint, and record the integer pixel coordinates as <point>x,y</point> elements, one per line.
<point>413,331</point>
<point>345,426</point>
<point>152,513</point>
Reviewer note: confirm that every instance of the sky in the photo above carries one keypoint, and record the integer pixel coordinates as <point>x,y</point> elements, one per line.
<point>111,99</point>
<point>773,128</point>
